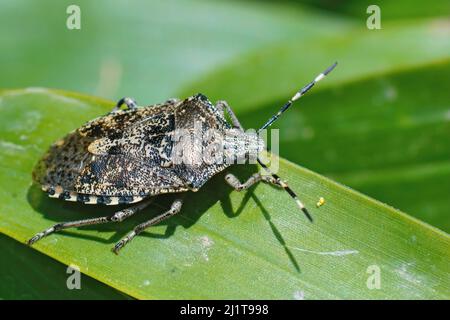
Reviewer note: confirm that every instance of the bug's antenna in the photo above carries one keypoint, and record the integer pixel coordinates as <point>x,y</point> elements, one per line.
<point>288,190</point>
<point>286,106</point>
<point>297,96</point>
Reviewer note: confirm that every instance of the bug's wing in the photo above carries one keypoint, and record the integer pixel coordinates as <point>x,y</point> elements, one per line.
<point>114,124</point>
<point>136,163</point>
<point>104,158</point>
<point>122,175</point>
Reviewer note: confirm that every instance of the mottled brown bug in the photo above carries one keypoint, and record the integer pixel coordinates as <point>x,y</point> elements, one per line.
<point>126,157</point>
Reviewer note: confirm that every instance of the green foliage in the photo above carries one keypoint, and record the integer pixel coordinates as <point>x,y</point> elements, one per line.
<point>257,78</point>
<point>384,136</point>
<point>148,52</point>
<point>225,244</point>
<point>390,10</point>
<point>27,274</point>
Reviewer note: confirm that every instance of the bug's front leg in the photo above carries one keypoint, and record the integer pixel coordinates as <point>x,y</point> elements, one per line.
<point>273,179</point>
<point>116,217</point>
<point>174,209</point>
<point>223,106</point>
<point>234,182</point>
<point>129,102</point>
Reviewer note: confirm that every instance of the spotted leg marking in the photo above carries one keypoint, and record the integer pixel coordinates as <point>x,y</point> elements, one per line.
<point>222,106</point>
<point>129,102</point>
<point>116,217</point>
<point>235,183</point>
<point>174,209</point>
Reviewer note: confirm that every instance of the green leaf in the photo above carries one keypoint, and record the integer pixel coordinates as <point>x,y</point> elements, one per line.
<point>386,136</point>
<point>27,274</point>
<point>146,53</point>
<point>225,244</point>
<point>278,71</point>
<point>399,9</point>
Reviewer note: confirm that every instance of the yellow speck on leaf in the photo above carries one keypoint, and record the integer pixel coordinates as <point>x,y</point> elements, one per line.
<point>321,202</point>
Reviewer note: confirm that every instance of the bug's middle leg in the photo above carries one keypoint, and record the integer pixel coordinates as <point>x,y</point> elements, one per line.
<point>119,216</point>
<point>223,106</point>
<point>273,179</point>
<point>174,209</point>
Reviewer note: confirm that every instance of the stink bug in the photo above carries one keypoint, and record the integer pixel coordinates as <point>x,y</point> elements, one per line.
<point>127,156</point>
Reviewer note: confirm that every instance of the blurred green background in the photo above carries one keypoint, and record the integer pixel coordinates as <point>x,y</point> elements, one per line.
<point>380,123</point>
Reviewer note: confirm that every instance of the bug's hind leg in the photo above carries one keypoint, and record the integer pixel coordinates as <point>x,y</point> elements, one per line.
<point>174,209</point>
<point>129,102</point>
<point>235,183</point>
<point>223,106</point>
<point>116,217</point>
<point>286,187</point>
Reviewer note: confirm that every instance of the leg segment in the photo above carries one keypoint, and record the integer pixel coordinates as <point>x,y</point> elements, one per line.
<point>234,182</point>
<point>116,217</point>
<point>223,106</point>
<point>174,209</point>
<point>291,192</point>
<point>129,102</point>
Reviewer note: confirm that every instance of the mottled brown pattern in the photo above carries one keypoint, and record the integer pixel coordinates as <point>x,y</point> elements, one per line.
<point>126,154</point>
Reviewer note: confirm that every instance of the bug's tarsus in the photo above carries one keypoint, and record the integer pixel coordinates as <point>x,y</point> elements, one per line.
<point>174,209</point>
<point>234,182</point>
<point>129,102</point>
<point>286,187</point>
<point>297,96</point>
<point>116,217</point>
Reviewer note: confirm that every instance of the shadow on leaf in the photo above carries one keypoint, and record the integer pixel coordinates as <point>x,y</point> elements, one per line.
<point>194,206</point>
